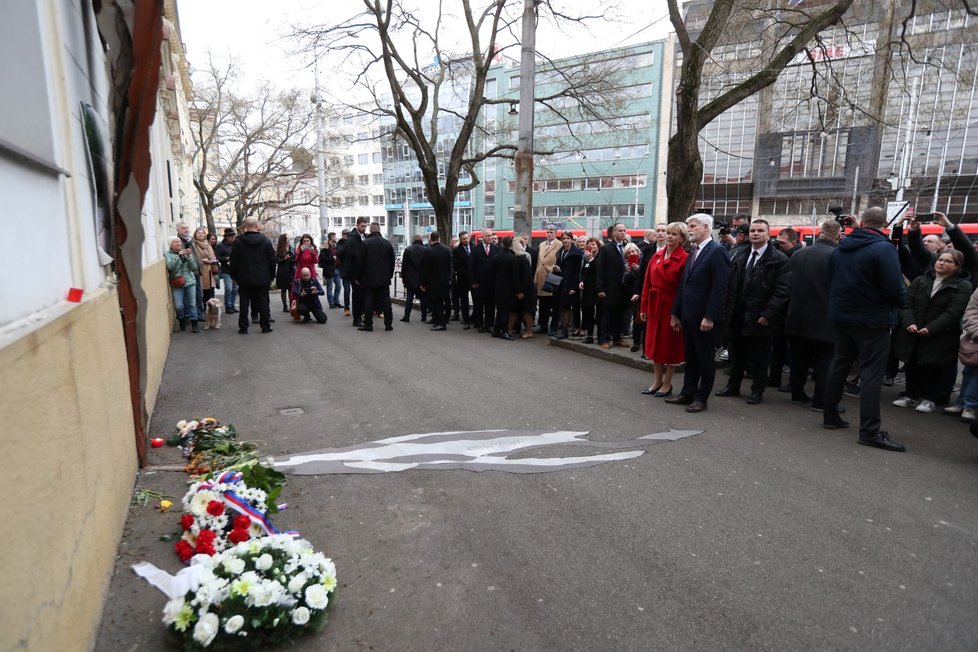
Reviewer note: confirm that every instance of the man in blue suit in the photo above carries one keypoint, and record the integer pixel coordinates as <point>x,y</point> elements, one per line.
<point>698,311</point>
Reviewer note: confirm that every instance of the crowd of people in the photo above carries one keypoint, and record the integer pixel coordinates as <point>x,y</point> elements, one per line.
<point>844,311</point>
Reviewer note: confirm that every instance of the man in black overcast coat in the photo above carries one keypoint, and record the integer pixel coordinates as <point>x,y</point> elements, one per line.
<point>482,277</point>
<point>411,261</point>
<point>375,269</point>
<point>436,279</point>
<point>252,266</point>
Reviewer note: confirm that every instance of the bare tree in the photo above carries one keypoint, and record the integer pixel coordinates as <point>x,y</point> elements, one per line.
<point>250,152</point>
<point>421,93</point>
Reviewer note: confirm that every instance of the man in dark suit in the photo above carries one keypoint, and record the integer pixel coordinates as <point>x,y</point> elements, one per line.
<point>436,279</point>
<point>411,261</point>
<point>375,269</point>
<point>610,289</point>
<point>757,299</point>
<point>252,265</point>
<point>698,311</point>
<point>460,282</point>
<point>811,334</point>
<point>351,267</point>
<point>482,277</point>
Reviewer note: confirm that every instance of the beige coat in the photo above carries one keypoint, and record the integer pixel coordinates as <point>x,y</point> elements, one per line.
<point>204,252</point>
<point>969,324</point>
<point>546,259</point>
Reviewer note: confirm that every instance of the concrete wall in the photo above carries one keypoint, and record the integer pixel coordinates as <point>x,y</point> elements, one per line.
<point>70,462</point>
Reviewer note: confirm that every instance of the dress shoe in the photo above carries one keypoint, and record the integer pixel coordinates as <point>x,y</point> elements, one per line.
<point>357,324</point>
<point>266,330</point>
<point>679,399</point>
<point>346,312</point>
<point>882,440</point>
<point>506,336</point>
<point>634,348</point>
<point>696,406</point>
<point>242,331</point>
<point>271,320</point>
<point>650,391</point>
<point>439,328</point>
<point>799,399</point>
<point>834,424</point>
<point>482,330</point>
<point>387,328</point>
<point>365,328</point>
<point>754,398</point>
<point>466,327</point>
<point>588,340</point>
<point>454,318</point>
<point>663,393</point>
<point>406,319</point>
<point>727,391</point>
<point>621,343</point>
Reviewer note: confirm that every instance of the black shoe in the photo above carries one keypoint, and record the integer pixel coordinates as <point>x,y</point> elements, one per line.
<point>634,348</point>
<point>254,320</point>
<point>562,336</point>
<point>727,391</point>
<point>663,393</point>
<point>305,320</point>
<point>406,320</point>
<point>183,324</point>
<point>439,328</point>
<point>799,399</point>
<point>388,328</point>
<point>266,330</point>
<point>696,406</point>
<point>679,399</point>
<point>481,329</point>
<point>285,309</point>
<point>588,340</point>
<point>242,331</point>
<point>229,311</point>
<point>852,389</point>
<point>466,327</point>
<point>361,327</point>
<point>358,324</point>
<point>505,336</point>
<point>834,424</point>
<point>455,318</point>
<point>754,398</point>
<point>193,327</point>
<point>888,381</point>
<point>785,389</point>
<point>882,440</point>
<point>819,408</point>
<point>651,391</point>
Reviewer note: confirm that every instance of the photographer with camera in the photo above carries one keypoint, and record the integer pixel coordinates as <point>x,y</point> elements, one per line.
<point>925,249</point>
<point>729,235</point>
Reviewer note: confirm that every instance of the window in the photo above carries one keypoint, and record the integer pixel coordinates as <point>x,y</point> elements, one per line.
<point>348,159</point>
<point>514,82</point>
<point>363,159</point>
<point>378,199</point>
<point>363,179</point>
<point>363,200</point>
<point>491,88</point>
<point>378,178</point>
<point>376,157</point>
<point>381,220</point>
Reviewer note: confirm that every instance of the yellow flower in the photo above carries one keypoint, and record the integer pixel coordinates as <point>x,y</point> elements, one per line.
<point>165,505</point>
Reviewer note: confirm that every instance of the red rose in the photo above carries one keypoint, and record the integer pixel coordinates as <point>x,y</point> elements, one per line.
<point>237,536</point>
<point>184,550</point>
<point>206,537</point>
<point>215,508</point>
<point>241,522</point>
<point>186,521</point>
<point>205,549</point>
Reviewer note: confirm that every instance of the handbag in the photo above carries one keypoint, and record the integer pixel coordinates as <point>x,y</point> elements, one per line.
<point>178,281</point>
<point>552,282</point>
<point>968,351</point>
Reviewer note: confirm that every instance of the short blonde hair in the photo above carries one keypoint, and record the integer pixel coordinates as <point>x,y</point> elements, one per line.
<point>632,248</point>
<point>680,228</point>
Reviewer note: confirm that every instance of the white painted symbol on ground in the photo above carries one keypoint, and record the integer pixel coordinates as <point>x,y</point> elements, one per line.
<point>481,450</point>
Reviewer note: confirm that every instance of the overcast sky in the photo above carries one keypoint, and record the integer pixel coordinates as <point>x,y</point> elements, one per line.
<point>255,32</point>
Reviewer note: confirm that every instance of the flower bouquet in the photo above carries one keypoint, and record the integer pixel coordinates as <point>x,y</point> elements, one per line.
<point>221,512</point>
<point>253,595</point>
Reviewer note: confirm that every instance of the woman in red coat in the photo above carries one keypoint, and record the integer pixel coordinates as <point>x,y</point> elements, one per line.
<point>663,345</point>
<point>306,256</point>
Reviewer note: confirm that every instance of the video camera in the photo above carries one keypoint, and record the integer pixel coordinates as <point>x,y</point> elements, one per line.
<point>845,221</point>
<point>723,227</point>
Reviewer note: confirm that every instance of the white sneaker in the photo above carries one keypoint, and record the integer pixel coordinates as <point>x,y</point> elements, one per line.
<point>906,401</point>
<point>953,409</point>
<point>926,406</point>
<point>968,414</point>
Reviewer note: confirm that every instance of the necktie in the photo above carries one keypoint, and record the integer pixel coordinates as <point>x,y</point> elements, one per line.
<point>487,250</point>
<point>750,263</point>
<point>692,258</point>
<point>466,250</point>
<point>621,250</point>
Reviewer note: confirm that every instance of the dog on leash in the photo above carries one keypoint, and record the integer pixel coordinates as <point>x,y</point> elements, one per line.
<point>212,314</point>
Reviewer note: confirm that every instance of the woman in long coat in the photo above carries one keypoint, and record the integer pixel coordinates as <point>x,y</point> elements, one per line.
<point>285,272</point>
<point>568,265</point>
<point>507,290</point>
<point>590,306</point>
<point>663,344</point>
<point>207,276</point>
<point>528,304</point>
<point>930,325</point>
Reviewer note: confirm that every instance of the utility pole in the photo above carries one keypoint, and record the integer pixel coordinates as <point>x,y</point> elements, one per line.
<point>320,154</point>
<point>523,208</point>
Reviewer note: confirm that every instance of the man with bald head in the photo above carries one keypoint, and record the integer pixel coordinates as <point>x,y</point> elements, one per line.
<point>865,291</point>
<point>252,265</point>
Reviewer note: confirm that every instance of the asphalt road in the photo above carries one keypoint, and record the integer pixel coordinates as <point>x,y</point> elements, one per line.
<point>763,532</point>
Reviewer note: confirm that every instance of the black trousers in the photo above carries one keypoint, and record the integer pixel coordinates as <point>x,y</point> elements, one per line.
<point>751,352</point>
<point>484,308</point>
<point>305,310</point>
<point>439,314</point>
<point>357,301</point>
<point>546,314</point>
<point>377,299</point>
<point>779,354</point>
<point>460,299</point>
<point>253,298</point>
<point>700,366</point>
<point>809,354</point>
<point>926,382</point>
<point>409,295</point>
<point>591,318</point>
<point>612,322</point>
<point>870,346</point>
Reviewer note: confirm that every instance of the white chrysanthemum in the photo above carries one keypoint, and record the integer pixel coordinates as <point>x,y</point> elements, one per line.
<point>198,504</point>
<point>317,597</point>
<point>206,629</point>
<point>300,616</point>
<point>329,582</point>
<point>234,623</point>
<point>181,424</point>
<point>264,594</point>
<point>264,562</point>
<point>172,610</point>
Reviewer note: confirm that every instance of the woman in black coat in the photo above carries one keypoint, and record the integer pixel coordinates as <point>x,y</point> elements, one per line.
<point>569,294</point>
<point>528,304</point>
<point>590,306</point>
<point>507,289</point>
<point>285,273</point>
<point>930,325</point>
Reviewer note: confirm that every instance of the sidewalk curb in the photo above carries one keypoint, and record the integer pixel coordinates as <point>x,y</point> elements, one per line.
<point>610,355</point>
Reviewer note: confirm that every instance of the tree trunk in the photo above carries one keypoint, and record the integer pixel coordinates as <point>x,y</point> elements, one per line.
<point>684,171</point>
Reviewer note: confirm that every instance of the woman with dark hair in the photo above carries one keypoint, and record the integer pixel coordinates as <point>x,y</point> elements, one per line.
<point>285,274</point>
<point>663,344</point>
<point>568,265</point>
<point>930,326</point>
<point>590,306</point>
<point>306,256</point>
